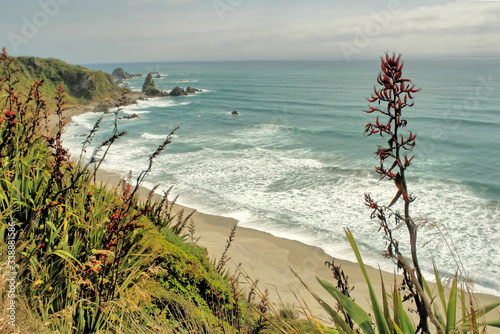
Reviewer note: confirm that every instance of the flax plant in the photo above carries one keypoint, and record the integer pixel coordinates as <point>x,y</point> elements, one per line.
<point>390,315</point>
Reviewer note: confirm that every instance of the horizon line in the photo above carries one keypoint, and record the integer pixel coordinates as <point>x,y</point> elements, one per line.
<point>289,60</point>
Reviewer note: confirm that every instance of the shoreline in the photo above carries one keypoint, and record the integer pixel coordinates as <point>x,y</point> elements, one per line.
<point>79,109</point>
<point>268,258</point>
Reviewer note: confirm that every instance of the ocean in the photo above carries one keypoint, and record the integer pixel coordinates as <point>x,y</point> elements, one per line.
<point>295,162</point>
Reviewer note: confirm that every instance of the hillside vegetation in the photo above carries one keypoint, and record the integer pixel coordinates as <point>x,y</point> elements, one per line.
<point>77,257</point>
<point>80,84</point>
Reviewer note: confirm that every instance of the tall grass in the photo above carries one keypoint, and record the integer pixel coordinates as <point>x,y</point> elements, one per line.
<point>91,260</point>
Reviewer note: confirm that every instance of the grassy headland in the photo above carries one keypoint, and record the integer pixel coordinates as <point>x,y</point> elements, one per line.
<point>81,85</point>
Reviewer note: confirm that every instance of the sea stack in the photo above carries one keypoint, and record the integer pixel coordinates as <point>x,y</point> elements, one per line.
<point>149,87</point>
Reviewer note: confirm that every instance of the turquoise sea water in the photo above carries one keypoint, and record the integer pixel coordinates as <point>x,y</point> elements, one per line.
<point>295,162</point>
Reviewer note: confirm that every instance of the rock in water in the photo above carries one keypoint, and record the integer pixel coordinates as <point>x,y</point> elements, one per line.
<point>149,87</point>
<point>119,73</point>
<point>191,90</point>
<point>234,112</point>
<point>178,91</point>
<point>130,116</point>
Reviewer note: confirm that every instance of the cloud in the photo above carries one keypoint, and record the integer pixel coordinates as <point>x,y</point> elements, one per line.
<point>253,33</point>
<point>454,27</point>
<point>171,30</point>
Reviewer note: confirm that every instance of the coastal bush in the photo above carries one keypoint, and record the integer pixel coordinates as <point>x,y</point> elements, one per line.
<point>90,259</point>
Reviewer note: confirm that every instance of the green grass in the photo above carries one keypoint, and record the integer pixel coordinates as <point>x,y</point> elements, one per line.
<point>80,84</point>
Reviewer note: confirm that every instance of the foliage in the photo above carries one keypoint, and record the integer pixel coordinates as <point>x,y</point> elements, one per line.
<point>396,94</point>
<point>81,85</point>
<point>396,319</point>
<point>89,259</point>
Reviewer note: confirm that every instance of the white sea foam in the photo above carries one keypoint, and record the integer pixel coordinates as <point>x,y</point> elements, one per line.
<point>86,121</point>
<point>291,195</point>
<point>146,135</point>
<point>307,200</point>
<point>154,102</point>
<point>294,195</point>
<point>186,81</point>
<point>137,111</point>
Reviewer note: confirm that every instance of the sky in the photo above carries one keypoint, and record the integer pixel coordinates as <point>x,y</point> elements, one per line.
<point>120,31</point>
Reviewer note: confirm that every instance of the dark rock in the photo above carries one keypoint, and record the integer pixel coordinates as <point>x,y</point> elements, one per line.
<point>149,83</point>
<point>234,112</point>
<point>157,76</point>
<point>130,116</point>
<point>178,91</point>
<point>149,87</point>
<point>191,90</point>
<point>119,81</point>
<point>119,73</point>
<point>128,101</point>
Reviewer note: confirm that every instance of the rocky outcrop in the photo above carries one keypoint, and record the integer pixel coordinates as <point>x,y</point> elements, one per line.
<point>179,91</point>
<point>157,76</point>
<point>130,116</point>
<point>119,73</point>
<point>149,87</point>
<point>191,90</point>
<point>110,106</point>
<point>128,101</point>
<point>235,112</point>
<point>149,83</point>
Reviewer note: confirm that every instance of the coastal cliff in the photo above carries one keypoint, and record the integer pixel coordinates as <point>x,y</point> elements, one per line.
<point>81,84</point>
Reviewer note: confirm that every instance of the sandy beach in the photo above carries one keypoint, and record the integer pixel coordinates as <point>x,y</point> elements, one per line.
<point>269,259</point>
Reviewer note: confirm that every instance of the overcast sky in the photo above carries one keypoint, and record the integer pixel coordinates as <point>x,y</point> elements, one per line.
<point>99,31</point>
